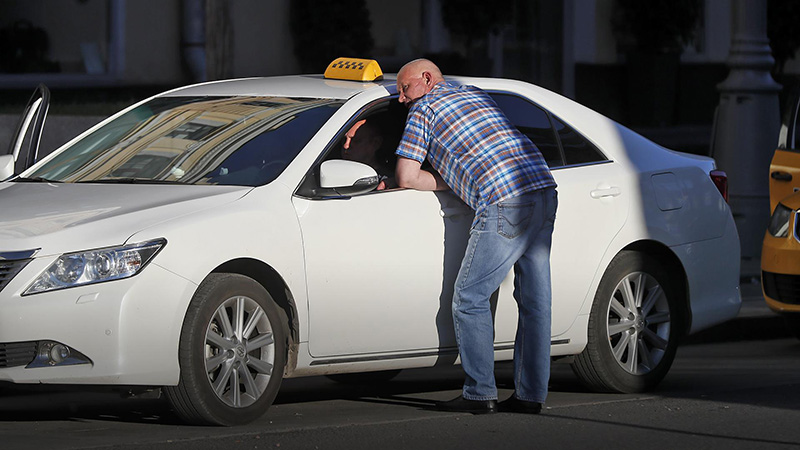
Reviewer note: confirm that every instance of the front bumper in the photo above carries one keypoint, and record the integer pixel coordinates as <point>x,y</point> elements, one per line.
<point>129,328</point>
<point>780,272</point>
<point>781,291</point>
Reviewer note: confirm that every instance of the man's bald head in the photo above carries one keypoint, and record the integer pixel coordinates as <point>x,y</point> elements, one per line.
<point>418,66</point>
<point>416,78</point>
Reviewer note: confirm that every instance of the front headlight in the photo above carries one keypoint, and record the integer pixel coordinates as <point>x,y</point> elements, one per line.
<point>95,266</point>
<point>779,223</point>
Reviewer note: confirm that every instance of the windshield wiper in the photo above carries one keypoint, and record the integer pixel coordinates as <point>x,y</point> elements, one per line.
<point>131,180</point>
<point>34,180</point>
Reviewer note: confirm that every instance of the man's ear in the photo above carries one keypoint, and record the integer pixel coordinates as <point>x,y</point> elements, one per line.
<point>427,77</point>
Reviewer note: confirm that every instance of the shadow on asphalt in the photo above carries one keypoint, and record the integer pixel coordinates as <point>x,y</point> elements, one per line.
<point>36,403</point>
<point>413,388</point>
<point>750,329</point>
<point>418,388</point>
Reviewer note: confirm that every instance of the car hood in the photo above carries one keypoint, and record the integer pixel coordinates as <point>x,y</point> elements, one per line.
<point>58,218</point>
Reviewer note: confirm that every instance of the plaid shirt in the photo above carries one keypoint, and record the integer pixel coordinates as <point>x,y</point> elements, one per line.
<point>471,143</point>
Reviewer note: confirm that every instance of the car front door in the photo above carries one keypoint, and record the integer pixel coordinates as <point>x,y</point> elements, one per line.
<point>784,172</point>
<point>380,270</point>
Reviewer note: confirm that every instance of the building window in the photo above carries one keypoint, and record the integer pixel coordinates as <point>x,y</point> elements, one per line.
<point>65,43</point>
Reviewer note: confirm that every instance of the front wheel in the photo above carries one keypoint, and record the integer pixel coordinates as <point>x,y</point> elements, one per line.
<point>633,327</point>
<point>232,353</point>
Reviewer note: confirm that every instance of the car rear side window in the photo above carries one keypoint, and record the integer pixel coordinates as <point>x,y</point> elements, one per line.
<point>534,123</point>
<point>577,149</point>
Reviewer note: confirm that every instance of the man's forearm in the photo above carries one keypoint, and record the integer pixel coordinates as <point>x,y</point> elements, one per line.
<point>410,175</point>
<point>424,181</point>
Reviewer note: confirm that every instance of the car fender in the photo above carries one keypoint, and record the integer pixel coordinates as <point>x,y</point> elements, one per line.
<point>261,226</point>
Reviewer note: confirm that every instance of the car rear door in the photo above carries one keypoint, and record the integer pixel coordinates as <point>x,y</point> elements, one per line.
<point>592,207</point>
<point>784,172</point>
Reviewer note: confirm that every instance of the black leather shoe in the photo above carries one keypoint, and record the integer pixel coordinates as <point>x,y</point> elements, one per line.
<point>513,404</point>
<point>461,404</point>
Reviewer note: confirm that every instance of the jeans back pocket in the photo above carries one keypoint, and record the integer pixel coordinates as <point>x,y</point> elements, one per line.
<point>513,218</point>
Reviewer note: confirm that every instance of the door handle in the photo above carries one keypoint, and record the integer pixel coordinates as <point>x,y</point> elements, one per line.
<point>781,176</point>
<point>607,192</point>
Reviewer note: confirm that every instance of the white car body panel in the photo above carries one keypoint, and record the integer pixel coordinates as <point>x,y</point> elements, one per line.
<point>575,252</point>
<point>61,218</point>
<point>367,276</point>
<point>373,260</point>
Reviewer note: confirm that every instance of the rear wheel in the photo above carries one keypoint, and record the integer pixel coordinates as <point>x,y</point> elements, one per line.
<point>633,327</point>
<point>231,354</point>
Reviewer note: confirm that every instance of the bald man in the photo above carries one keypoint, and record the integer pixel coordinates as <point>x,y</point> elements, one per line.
<point>501,175</point>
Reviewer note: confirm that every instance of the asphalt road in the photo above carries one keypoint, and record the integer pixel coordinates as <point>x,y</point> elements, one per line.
<point>733,395</point>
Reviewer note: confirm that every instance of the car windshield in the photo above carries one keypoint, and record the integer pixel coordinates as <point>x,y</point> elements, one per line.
<point>241,141</point>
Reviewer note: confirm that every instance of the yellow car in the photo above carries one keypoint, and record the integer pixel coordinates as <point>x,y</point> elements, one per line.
<point>780,254</point>
<point>780,261</point>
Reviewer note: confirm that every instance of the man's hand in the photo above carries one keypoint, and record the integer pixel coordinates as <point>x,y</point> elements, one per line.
<point>409,174</point>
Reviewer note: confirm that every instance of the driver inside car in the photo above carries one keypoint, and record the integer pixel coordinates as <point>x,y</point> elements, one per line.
<point>363,143</point>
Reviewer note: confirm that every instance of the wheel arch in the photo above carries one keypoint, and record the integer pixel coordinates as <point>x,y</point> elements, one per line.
<point>274,283</point>
<point>677,275</point>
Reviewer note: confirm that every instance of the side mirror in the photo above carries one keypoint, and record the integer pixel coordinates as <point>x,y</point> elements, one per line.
<point>6,167</point>
<point>348,177</point>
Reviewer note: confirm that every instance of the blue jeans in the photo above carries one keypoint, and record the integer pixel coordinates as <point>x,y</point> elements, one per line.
<point>516,233</point>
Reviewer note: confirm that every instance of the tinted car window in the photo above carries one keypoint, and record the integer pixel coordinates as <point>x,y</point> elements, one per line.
<point>388,118</point>
<point>793,141</point>
<point>533,122</point>
<point>242,141</point>
<point>577,150</point>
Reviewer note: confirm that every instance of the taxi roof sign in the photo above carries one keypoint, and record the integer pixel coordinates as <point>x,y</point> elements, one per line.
<point>354,69</point>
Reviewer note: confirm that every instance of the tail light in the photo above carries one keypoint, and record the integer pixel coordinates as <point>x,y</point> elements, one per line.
<point>720,180</point>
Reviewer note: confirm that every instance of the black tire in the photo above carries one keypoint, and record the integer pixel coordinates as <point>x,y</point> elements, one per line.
<point>247,357</point>
<point>610,363</point>
<point>793,323</point>
<point>364,378</point>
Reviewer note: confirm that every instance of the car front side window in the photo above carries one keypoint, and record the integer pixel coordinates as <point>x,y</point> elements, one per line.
<point>370,138</point>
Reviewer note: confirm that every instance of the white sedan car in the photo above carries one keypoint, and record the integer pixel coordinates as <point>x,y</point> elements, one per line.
<point>212,241</point>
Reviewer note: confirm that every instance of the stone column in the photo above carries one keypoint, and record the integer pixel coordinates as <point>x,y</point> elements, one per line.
<point>436,38</point>
<point>193,39</point>
<point>746,127</point>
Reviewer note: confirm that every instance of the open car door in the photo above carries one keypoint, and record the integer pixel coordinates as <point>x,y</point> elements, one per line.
<point>784,172</point>
<point>24,148</point>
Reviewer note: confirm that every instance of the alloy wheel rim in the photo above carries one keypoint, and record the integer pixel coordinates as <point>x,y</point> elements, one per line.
<point>638,323</point>
<point>239,351</point>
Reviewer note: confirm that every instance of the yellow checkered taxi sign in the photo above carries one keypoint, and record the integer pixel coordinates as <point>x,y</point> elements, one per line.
<point>354,69</point>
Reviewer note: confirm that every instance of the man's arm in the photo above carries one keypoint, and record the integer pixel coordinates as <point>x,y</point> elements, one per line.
<point>409,174</point>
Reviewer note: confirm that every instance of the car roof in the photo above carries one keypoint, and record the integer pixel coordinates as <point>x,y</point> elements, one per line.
<point>603,132</point>
<point>298,86</point>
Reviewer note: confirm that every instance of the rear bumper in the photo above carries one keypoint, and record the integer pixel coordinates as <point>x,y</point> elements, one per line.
<point>713,272</point>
